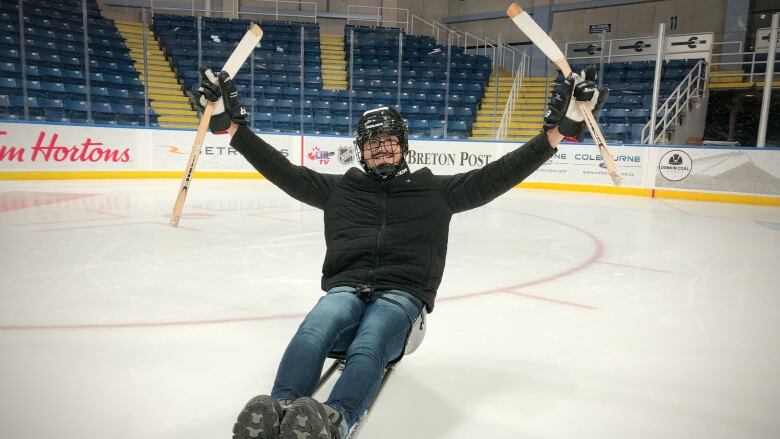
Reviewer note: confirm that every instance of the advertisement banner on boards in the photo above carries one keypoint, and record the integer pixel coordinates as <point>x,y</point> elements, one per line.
<point>742,171</point>
<point>62,147</point>
<point>170,150</point>
<point>447,158</point>
<point>331,155</point>
<point>583,164</point>
<point>43,147</point>
<point>40,147</point>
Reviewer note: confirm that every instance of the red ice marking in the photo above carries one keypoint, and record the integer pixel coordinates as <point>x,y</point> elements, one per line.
<point>259,215</point>
<point>635,266</point>
<point>83,220</point>
<point>673,207</point>
<point>268,215</point>
<point>119,225</point>
<point>150,324</point>
<point>244,208</point>
<point>16,200</point>
<point>115,215</point>
<point>598,251</point>
<point>548,299</point>
<point>511,289</point>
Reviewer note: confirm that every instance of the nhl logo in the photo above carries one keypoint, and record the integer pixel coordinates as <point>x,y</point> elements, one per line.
<point>345,155</point>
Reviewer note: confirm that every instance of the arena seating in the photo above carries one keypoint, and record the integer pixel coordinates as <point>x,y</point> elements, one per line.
<point>54,54</point>
<point>631,93</point>
<point>277,75</point>
<point>424,85</point>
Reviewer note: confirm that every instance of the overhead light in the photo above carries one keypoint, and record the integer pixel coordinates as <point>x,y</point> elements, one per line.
<point>762,16</point>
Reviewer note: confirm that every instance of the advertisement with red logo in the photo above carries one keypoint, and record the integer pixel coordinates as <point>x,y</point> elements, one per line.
<point>40,147</point>
<point>53,147</point>
<point>331,155</point>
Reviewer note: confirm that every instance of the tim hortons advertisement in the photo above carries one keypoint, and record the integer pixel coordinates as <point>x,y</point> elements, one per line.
<point>748,171</point>
<point>39,147</point>
<point>55,147</point>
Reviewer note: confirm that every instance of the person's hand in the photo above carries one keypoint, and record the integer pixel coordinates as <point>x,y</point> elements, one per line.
<point>563,111</point>
<point>209,91</point>
<point>235,111</point>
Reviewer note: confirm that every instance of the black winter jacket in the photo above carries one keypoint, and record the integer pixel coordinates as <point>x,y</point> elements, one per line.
<point>390,234</point>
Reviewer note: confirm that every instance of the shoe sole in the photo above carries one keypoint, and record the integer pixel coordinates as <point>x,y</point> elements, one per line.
<point>303,420</point>
<point>258,420</point>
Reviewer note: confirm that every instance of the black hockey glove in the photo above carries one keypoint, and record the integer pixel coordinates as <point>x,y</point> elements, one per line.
<point>564,112</point>
<point>559,103</point>
<point>233,107</point>
<point>209,91</point>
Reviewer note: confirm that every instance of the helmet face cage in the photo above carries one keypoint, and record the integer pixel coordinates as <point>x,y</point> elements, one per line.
<point>377,122</point>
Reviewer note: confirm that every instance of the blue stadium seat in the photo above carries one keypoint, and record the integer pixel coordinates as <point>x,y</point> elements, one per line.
<point>264,120</point>
<point>284,121</point>
<point>458,127</point>
<point>636,133</point>
<point>341,124</point>
<point>9,84</point>
<point>617,132</point>
<point>10,69</point>
<point>639,115</point>
<point>323,123</point>
<point>339,109</point>
<point>53,88</point>
<point>102,107</point>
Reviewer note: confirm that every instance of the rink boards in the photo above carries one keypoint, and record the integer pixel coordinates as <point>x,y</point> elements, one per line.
<point>43,151</point>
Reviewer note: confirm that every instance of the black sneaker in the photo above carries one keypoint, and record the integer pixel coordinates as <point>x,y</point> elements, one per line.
<point>307,418</point>
<point>259,419</point>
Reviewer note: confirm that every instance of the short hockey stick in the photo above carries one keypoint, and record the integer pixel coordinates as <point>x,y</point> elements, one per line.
<point>236,60</point>
<point>543,41</point>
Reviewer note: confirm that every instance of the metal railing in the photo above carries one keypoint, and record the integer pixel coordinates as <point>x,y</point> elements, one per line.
<point>692,86</point>
<point>744,70</point>
<point>500,53</point>
<point>272,11</point>
<point>517,84</point>
<point>423,26</point>
<point>378,16</point>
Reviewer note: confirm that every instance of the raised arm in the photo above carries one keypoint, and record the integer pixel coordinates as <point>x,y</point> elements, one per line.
<point>562,119</point>
<point>478,187</point>
<point>229,117</point>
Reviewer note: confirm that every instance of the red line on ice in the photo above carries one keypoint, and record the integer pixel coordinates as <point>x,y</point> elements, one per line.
<point>511,289</point>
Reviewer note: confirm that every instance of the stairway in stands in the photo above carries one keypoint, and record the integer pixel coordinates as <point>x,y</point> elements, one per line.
<point>165,93</point>
<point>528,113</point>
<point>334,65</point>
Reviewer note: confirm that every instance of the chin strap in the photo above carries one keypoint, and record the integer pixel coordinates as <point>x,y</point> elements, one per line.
<point>386,171</point>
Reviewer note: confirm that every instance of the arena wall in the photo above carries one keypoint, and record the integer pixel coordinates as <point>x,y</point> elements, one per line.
<point>45,151</point>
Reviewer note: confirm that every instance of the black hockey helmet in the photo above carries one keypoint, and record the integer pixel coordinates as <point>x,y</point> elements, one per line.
<point>387,121</point>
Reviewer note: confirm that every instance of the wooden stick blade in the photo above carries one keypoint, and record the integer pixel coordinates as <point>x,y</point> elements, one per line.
<point>535,33</point>
<point>243,49</point>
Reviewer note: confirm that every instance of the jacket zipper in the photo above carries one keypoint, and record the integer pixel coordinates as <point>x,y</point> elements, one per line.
<point>377,258</point>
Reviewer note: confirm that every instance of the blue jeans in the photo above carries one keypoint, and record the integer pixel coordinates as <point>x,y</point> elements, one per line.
<point>371,331</point>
